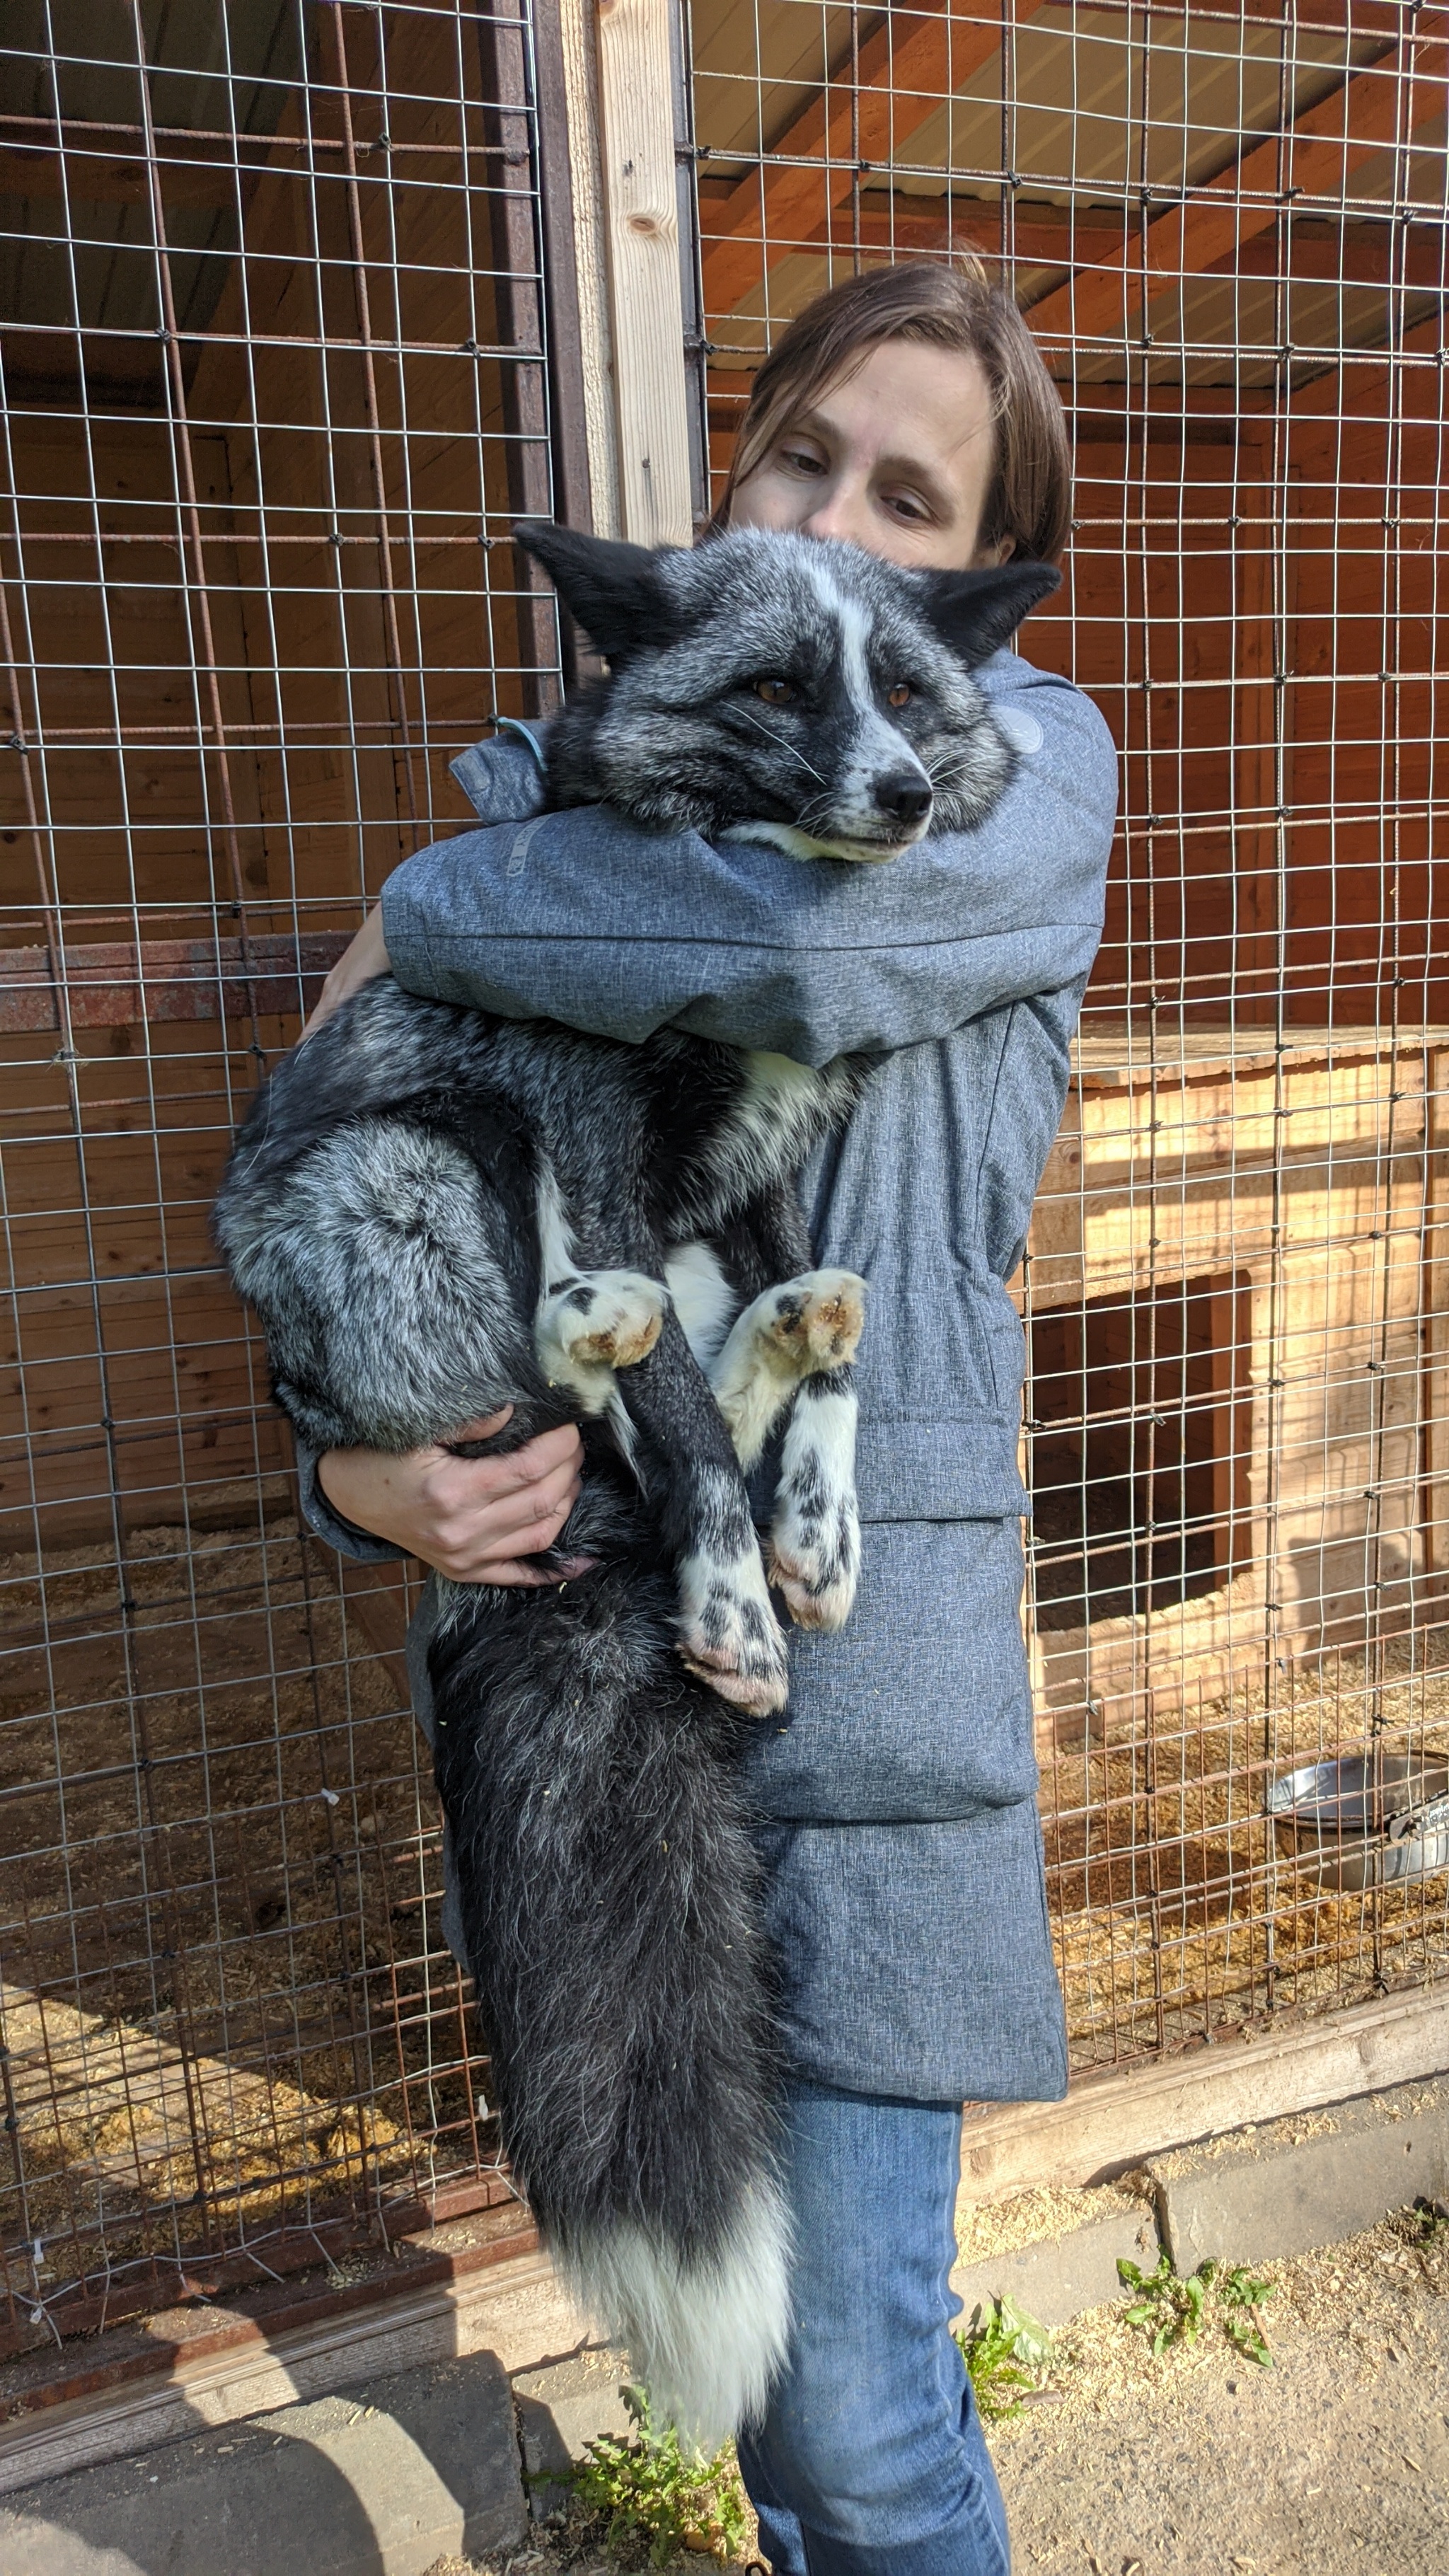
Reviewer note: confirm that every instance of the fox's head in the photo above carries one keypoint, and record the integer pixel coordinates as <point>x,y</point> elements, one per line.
<point>778,688</point>
<point>785,688</point>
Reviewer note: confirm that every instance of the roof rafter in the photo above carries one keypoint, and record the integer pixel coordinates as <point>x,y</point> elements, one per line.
<point>1311,156</point>
<point>903,74</point>
<point>1354,250</point>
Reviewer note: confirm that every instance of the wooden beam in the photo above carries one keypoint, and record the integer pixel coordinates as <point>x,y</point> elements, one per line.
<point>114,984</point>
<point>903,73</point>
<point>518,304</point>
<point>1314,155</point>
<point>500,2296</point>
<point>922,225</point>
<point>1112,2121</point>
<point>1356,383</point>
<point>646,299</point>
<point>205,175</point>
<point>1353,254</point>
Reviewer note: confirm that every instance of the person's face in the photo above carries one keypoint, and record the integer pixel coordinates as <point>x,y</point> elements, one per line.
<point>897,457</point>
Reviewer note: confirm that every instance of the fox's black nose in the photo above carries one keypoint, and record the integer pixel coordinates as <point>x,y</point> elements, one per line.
<point>903,794</point>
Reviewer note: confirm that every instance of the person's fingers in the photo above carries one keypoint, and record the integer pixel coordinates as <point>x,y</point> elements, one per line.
<point>551,1516</point>
<point>487,1427</point>
<point>564,1572</point>
<point>495,1521</point>
<point>464,1500</point>
<point>465,1540</point>
<point>538,1533</point>
<point>560,1447</point>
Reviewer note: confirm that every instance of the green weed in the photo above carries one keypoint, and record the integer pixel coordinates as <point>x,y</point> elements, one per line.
<point>1174,2308</point>
<point>1006,2354</point>
<point>1242,2296</point>
<point>652,2495</point>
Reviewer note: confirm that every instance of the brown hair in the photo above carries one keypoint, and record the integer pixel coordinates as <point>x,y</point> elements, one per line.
<point>1030,494</point>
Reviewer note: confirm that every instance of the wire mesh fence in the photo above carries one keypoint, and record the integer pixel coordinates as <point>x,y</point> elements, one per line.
<point>1226,225</point>
<point>287,349</point>
<point>275,385</point>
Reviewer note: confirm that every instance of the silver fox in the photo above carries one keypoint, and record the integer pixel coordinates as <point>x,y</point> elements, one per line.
<point>436,1213</point>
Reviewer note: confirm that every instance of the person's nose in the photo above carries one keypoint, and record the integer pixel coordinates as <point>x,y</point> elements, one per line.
<point>840,512</point>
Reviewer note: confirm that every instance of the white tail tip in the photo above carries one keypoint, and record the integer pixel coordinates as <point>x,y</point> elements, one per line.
<point>707,2339</point>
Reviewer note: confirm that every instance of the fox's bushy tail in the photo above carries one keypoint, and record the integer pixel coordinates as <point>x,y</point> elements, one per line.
<point>611,1899</point>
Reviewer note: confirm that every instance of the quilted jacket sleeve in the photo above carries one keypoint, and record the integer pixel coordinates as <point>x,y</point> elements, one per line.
<point>584,918</point>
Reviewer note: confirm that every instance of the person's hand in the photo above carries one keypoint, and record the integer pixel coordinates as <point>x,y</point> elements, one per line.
<point>472,1518</point>
<point>362,959</point>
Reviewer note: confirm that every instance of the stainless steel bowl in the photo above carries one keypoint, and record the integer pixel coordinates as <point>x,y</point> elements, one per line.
<point>1358,1823</point>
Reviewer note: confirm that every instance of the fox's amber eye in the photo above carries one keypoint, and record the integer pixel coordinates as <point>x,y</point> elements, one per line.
<point>777,693</point>
<point>901,695</point>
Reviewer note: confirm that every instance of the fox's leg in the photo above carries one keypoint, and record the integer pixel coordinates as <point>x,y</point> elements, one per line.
<point>381,1262</point>
<point>790,1352</point>
<point>587,1323</point>
<point>728,1631</point>
<point>729,1634</point>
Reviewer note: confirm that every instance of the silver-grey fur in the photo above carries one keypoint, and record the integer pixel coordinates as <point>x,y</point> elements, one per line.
<point>437,1213</point>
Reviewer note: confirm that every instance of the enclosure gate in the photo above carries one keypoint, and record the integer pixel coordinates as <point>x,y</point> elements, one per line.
<point>304,303</point>
<point>276,382</point>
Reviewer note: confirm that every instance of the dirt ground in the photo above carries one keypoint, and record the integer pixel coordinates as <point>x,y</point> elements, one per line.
<point>1334,2460</point>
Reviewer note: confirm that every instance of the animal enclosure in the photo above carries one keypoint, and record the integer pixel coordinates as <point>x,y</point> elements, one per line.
<point>303,304</point>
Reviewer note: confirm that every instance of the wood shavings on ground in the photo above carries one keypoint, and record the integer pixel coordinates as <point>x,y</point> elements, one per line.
<point>1032,2218</point>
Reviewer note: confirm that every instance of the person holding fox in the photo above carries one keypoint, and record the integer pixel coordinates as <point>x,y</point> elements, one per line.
<point>907,412</point>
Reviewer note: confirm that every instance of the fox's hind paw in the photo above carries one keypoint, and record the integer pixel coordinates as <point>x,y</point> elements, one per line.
<point>815,1321</point>
<point>729,1634</point>
<point>599,1322</point>
<point>786,1338</point>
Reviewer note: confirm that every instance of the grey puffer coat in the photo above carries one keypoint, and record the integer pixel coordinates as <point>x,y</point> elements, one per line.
<point>898,1799</point>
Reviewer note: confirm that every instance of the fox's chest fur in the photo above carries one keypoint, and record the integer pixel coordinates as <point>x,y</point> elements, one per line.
<point>772,1116</point>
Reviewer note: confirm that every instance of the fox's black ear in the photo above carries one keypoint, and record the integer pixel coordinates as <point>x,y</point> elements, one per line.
<point>977,612</point>
<point>615,591</point>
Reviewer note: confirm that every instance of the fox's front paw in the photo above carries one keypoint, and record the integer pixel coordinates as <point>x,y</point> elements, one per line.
<point>728,1632</point>
<point>815,1541</point>
<point>605,1320</point>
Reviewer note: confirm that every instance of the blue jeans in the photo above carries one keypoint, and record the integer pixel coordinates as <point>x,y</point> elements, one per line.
<point>871,2460</point>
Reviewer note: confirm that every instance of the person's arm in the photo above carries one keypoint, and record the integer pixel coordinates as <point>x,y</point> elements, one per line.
<point>584,918</point>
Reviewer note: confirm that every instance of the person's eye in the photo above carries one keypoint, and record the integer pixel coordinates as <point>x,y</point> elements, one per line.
<point>901,695</point>
<point>907,505</point>
<point>774,691</point>
<point>801,460</point>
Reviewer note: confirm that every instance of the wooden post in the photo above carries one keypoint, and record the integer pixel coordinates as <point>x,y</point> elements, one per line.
<point>572,180</point>
<point>636,134</point>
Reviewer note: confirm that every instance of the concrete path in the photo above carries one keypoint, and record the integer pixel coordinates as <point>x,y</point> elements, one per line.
<point>1334,2461</point>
